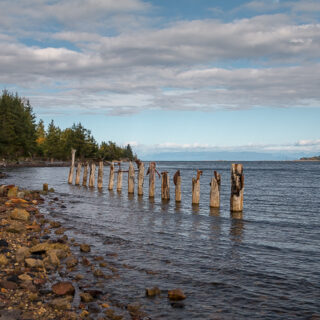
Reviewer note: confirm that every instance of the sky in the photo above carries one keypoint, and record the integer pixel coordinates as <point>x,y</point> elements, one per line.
<point>170,75</point>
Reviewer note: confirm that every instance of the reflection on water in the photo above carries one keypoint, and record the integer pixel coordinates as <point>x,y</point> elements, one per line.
<point>260,265</point>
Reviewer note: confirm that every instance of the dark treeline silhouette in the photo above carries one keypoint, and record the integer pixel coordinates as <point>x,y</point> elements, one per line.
<point>21,136</point>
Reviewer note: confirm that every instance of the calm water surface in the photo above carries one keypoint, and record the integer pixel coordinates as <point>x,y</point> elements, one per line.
<point>263,265</point>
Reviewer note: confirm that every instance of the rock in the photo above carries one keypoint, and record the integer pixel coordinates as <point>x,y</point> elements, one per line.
<point>86,262</point>
<point>85,248</point>
<point>176,295</point>
<point>3,209</point>
<point>46,246</point>
<point>60,231</point>
<point>61,303</point>
<point>22,253</point>
<point>3,260</point>
<point>10,314</point>
<point>34,263</point>
<point>86,297</point>
<point>21,194</point>
<point>79,277</point>
<point>8,285</point>
<point>71,261</point>
<point>152,292</point>
<point>20,214</point>
<point>12,192</point>
<point>53,258</point>
<point>84,314</point>
<point>63,288</point>
<point>16,227</point>
<point>51,190</point>
<point>25,277</point>
<point>55,224</point>
<point>98,273</point>
<point>93,307</point>
<point>3,243</point>
<point>103,264</point>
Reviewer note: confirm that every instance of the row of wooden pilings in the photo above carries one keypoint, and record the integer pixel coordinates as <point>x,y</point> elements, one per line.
<point>237,182</point>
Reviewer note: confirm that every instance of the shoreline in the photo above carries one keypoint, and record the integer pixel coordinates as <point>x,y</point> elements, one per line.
<point>45,275</point>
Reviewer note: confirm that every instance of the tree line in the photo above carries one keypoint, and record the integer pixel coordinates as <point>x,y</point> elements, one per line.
<point>21,136</point>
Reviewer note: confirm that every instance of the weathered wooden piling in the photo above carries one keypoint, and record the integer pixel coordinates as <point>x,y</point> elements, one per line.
<point>111,177</point>
<point>152,177</point>
<point>78,173</point>
<point>196,188</point>
<point>215,190</point>
<point>119,180</point>
<point>45,187</point>
<point>237,188</point>
<point>177,183</point>
<point>140,178</point>
<point>70,178</point>
<point>165,186</point>
<point>100,175</point>
<point>92,174</point>
<point>85,174</point>
<point>131,177</point>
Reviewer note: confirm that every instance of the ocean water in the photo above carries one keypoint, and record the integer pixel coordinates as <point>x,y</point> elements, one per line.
<point>264,264</point>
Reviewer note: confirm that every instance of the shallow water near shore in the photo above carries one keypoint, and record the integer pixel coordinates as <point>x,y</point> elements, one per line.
<point>263,265</point>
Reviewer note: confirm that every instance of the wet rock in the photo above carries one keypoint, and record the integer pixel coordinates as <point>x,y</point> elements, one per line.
<point>51,190</point>
<point>10,314</point>
<point>61,303</point>
<point>3,243</point>
<point>98,273</point>
<point>103,264</point>
<point>85,248</point>
<point>176,295</point>
<point>55,199</point>
<point>112,315</point>
<point>12,192</point>
<point>86,297</point>
<point>22,253</point>
<point>20,214</point>
<point>93,307</point>
<point>55,224</point>
<point>135,311</point>
<point>63,288</point>
<point>34,263</point>
<point>25,277</point>
<point>8,285</point>
<point>16,227</point>
<point>53,258</point>
<point>3,260</point>
<point>27,285</point>
<point>86,262</point>
<point>60,231</point>
<point>177,305</point>
<point>79,277</point>
<point>46,246</point>
<point>94,293</point>
<point>152,292</point>
<point>71,261</point>
<point>84,314</point>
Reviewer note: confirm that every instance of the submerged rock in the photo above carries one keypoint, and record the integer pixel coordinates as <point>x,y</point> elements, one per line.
<point>176,295</point>
<point>152,292</point>
<point>63,288</point>
<point>85,248</point>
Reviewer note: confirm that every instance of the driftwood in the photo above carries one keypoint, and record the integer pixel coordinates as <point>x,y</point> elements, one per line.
<point>70,178</point>
<point>237,188</point>
<point>215,190</point>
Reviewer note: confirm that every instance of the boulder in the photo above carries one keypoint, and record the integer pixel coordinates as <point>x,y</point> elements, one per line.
<point>20,214</point>
<point>176,295</point>
<point>63,288</point>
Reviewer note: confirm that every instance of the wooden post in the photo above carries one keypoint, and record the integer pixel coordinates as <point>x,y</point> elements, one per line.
<point>165,186</point>
<point>177,183</point>
<point>119,180</point>
<point>215,190</point>
<point>73,152</point>
<point>85,174</point>
<point>196,188</point>
<point>78,172</point>
<point>131,177</point>
<point>237,188</point>
<point>140,178</point>
<point>111,177</point>
<point>152,178</point>
<point>100,175</point>
<point>92,173</point>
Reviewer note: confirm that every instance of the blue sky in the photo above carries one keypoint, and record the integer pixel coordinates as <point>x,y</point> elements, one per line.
<point>170,75</point>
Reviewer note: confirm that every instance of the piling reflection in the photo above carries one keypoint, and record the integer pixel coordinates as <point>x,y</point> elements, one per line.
<point>214,212</point>
<point>236,226</point>
<point>177,207</point>
<point>195,208</point>
<point>130,196</point>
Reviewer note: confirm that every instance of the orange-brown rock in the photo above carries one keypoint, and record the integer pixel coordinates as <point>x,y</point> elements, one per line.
<point>63,288</point>
<point>176,295</point>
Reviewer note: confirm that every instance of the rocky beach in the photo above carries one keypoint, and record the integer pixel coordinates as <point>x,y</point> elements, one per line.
<point>45,275</point>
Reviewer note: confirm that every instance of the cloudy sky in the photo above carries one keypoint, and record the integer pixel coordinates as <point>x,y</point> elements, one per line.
<point>192,75</point>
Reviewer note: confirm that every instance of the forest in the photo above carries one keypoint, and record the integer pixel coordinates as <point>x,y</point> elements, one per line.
<point>22,136</point>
